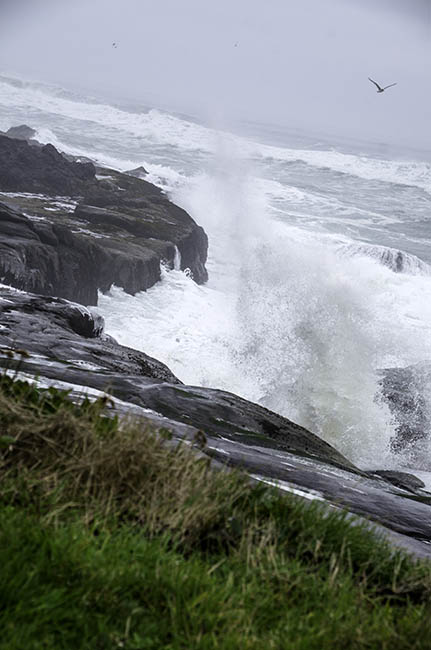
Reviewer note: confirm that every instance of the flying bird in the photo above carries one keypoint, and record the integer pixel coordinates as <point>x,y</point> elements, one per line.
<point>379,88</point>
<point>114,45</point>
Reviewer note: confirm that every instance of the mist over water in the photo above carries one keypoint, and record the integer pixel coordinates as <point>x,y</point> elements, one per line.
<point>302,63</point>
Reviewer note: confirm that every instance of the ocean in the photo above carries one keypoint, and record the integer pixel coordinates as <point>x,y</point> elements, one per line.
<point>319,259</point>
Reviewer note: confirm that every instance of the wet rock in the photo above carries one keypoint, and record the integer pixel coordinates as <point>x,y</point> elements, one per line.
<point>24,168</point>
<point>396,260</point>
<point>223,414</point>
<point>139,172</point>
<point>22,132</point>
<point>65,340</point>
<point>124,227</point>
<point>401,479</point>
<point>405,391</point>
<point>132,207</point>
<point>48,258</point>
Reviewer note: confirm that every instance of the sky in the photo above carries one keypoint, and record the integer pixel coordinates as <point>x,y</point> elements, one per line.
<point>299,63</point>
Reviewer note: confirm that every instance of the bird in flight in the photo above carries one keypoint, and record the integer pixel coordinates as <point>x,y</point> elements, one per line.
<point>114,45</point>
<point>379,88</point>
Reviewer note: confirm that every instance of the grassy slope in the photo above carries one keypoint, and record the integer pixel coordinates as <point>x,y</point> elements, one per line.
<point>112,538</point>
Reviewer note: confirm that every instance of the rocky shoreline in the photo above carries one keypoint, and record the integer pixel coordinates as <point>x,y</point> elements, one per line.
<point>69,229</point>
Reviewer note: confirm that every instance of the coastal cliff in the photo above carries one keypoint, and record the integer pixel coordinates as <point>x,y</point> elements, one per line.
<point>68,229</point>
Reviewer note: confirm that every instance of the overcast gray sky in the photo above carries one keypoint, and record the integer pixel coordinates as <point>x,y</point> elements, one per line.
<point>301,63</point>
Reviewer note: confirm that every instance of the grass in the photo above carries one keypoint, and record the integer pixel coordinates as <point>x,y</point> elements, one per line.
<point>111,536</point>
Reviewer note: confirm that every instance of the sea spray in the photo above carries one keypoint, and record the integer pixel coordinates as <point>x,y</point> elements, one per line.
<point>177,259</point>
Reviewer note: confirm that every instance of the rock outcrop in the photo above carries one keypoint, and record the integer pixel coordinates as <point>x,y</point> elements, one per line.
<point>68,339</point>
<point>48,258</point>
<point>138,172</point>
<point>405,391</point>
<point>44,170</point>
<point>70,232</point>
<point>22,132</point>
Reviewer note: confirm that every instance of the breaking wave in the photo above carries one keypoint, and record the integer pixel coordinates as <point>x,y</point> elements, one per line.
<point>396,260</point>
<point>161,128</point>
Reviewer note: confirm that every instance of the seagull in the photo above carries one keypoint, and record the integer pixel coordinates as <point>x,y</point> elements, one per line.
<point>379,88</point>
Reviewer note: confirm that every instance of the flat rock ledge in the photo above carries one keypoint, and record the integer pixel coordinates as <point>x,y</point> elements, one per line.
<point>70,229</point>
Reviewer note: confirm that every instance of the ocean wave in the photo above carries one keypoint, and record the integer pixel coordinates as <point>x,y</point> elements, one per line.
<point>394,259</point>
<point>163,176</point>
<point>410,173</point>
<point>153,125</point>
<point>285,320</point>
<point>162,128</point>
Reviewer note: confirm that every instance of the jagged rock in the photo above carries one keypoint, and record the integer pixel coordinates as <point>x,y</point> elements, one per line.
<point>22,132</point>
<point>405,390</point>
<point>48,258</point>
<point>62,337</point>
<point>118,234</point>
<point>44,170</point>
<point>139,172</point>
<point>134,207</point>
<point>403,480</point>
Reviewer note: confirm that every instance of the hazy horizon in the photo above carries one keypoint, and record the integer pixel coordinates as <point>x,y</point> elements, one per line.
<point>303,65</point>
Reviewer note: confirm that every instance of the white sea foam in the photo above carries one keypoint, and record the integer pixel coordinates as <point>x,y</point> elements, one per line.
<point>284,319</point>
<point>156,126</point>
<point>396,260</point>
<point>391,171</point>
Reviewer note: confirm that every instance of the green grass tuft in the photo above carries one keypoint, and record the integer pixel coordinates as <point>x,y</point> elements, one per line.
<point>112,536</point>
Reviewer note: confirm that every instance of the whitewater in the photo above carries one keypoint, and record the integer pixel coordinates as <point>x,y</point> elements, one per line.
<point>319,260</point>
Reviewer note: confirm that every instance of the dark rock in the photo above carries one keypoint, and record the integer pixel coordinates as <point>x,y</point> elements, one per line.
<point>24,168</point>
<point>359,493</point>
<point>123,225</point>
<point>48,258</point>
<point>220,413</point>
<point>139,172</point>
<point>138,208</point>
<point>63,337</point>
<point>78,159</point>
<point>22,132</point>
<point>403,480</point>
<point>404,389</point>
